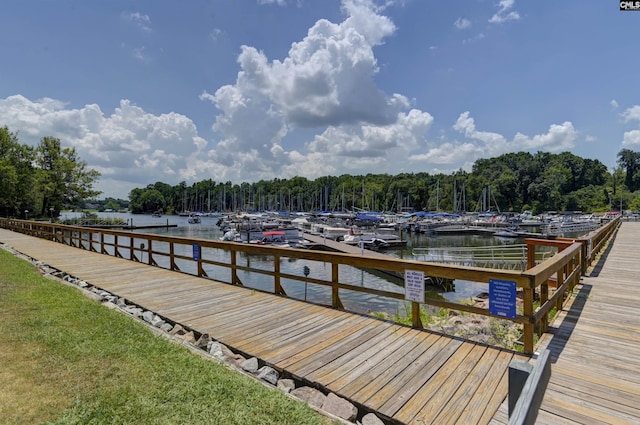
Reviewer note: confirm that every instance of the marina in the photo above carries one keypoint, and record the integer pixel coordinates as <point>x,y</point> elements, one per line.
<point>427,377</point>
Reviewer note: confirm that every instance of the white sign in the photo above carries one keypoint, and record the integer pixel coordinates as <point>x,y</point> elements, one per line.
<point>414,286</point>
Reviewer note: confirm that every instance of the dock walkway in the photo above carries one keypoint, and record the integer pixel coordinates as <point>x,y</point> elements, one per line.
<point>404,375</point>
<point>595,344</point>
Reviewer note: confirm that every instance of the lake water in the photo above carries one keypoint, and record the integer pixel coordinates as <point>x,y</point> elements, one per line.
<point>354,301</point>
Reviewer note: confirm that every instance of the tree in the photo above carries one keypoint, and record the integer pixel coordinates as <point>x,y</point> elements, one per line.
<point>630,161</point>
<point>16,175</point>
<point>63,179</point>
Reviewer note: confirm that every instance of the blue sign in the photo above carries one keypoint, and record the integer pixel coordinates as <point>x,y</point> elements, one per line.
<point>502,298</point>
<point>196,252</point>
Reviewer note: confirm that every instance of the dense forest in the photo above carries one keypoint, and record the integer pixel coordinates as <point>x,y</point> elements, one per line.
<point>511,182</point>
<point>40,181</point>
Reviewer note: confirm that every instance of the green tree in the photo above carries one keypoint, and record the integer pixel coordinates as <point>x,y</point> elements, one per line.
<point>17,192</point>
<point>63,179</point>
<point>630,161</point>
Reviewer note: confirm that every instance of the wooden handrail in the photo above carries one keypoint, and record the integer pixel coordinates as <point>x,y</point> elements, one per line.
<point>151,247</point>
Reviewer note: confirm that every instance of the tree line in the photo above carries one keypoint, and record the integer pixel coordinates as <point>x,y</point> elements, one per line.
<point>511,182</point>
<point>40,181</point>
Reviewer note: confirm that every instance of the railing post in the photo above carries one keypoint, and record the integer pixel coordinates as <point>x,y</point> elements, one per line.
<point>234,267</point>
<point>528,330</point>
<point>560,279</point>
<point>544,296</point>
<point>172,258</point>
<point>416,322</point>
<point>277,287</point>
<point>335,295</point>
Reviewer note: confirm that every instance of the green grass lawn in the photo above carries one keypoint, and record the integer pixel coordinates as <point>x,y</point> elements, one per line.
<point>68,360</point>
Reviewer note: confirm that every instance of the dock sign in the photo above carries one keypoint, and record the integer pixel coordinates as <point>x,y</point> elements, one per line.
<point>414,286</point>
<point>502,298</point>
<point>196,252</point>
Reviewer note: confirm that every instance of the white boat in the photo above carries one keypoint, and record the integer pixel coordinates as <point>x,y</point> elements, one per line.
<point>506,233</point>
<point>194,219</point>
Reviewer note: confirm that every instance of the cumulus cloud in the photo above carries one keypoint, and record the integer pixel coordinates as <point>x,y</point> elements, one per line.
<point>315,112</point>
<point>631,139</point>
<point>614,104</point>
<point>631,114</point>
<point>504,13</point>
<point>129,145</point>
<point>560,137</point>
<point>325,84</point>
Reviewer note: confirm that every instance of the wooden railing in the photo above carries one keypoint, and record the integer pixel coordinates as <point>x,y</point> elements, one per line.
<point>196,256</point>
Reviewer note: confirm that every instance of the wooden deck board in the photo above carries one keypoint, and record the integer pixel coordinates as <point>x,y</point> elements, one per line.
<point>595,349</point>
<point>411,376</point>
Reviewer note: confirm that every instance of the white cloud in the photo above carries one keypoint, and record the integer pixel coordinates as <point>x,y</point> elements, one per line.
<point>318,111</point>
<point>278,2</point>
<point>473,39</point>
<point>631,139</point>
<point>631,114</point>
<point>129,145</point>
<point>493,141</point>
<point>325,83</point>
<point>140,20</point>
<point>614,104</point>
<point>140,54</point>
<point>504,13</point>
<point>560,137</point>
<point>215,33</point>
<point>462,23</point>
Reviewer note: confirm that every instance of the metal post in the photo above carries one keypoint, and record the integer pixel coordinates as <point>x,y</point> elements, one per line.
<point>306,272</point>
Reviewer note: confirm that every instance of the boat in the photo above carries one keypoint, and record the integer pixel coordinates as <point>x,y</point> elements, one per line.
<point>157,214</point>
<point>506,233</point>
<point>273,237</point>
<point>230,236</point>
<point>194,218</point>
<point>372,241</point>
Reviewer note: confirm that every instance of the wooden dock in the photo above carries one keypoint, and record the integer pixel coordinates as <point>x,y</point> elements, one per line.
<point>405,375</point>
<point>595,344</point>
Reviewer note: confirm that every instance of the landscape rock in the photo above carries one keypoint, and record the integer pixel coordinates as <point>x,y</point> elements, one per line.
<point>203,341</point>
<point>147,316</point>
<point>286,385</point>
<point>371,419</point>
<point>157,321</point>
<point>178,330</point>
<point>250,365</point>
<point>166,327</point>
<point>340,407</point>
<point>215,349</point>
<point>310,395</point>
<point>188,337</point>
<point>268,374</point>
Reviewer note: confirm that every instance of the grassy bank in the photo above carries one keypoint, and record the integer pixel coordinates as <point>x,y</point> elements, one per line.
<point>68,360</point>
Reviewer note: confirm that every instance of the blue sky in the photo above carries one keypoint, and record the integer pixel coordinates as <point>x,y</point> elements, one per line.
<point>243,90</point>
